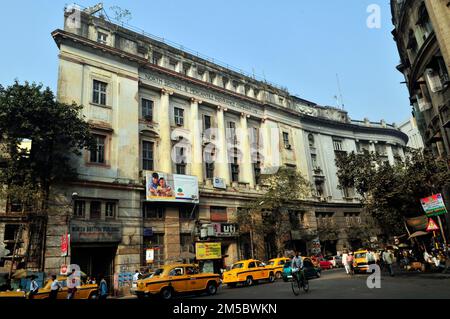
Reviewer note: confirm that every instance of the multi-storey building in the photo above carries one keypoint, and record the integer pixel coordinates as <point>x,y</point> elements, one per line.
<point>145,101</point>
<point>422,34</point>
<point>410,128</point>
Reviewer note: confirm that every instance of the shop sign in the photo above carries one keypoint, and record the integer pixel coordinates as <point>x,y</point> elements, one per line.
<point>148,231</point>
<point>149,255</point>
<point>208,251</point>
<point>65,245</point>
<point>225,230</point>
<point>100,232</point>
<point>433,205</point>
<point>171,187</point>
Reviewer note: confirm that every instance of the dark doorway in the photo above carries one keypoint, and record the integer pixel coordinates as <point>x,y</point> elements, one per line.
<point>95,261</point>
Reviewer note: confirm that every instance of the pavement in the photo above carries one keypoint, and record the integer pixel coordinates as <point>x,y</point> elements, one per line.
<point>336,284</point>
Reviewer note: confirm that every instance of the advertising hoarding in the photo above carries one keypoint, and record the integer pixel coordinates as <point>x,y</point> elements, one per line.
<point>171,187</point>
<point>208,251</point>
<point>433,205</point>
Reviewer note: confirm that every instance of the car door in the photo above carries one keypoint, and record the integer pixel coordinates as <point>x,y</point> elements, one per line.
<point>263,272</point>
<point>178,279</point>
<point>194,280</point>
<point>252,270</point>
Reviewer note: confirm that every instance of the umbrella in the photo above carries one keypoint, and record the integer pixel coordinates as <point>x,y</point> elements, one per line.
<point>418,234</point>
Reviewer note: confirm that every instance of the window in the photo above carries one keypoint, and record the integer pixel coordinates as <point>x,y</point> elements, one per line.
<point>98,153</point>
<point>173,64</point>
<point>79,209</point>
<point>232,132</point>
<point>102,38</point>
<point>337,145</point>
<point>179,116</point>
<point>212,76</point>
<point>180,161</point>
<point>209,170</point>
<point>96,210</point>
<point>99,92</point>
<point>235,169</point>
<point>225,82</point>
<point>294,219</point>
<point>186,68</point>
<point>209,154</point>
<point>257,172</point>
<point>206,125</point>
<point>147,109</point>
<point>147,155</point>
<point>188,212</point>
<point>251,265</point>
<point>218,214</point>
<point>156,58</point>
<point>315,166</point>
<point>352,219</point>
<point>156,241</point>
<point>110,210</point>
<point>311,140</point>
<point>324,219</point>
<point>151,211</point>
<point>287,145</point>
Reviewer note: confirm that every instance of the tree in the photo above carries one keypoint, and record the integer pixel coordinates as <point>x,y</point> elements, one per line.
<point>56,130</point>
<point>267,214</point>
<point>392,192</point>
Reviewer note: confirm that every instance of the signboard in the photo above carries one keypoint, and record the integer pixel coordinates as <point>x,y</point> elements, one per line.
<point>224,230</point>
<point>315,246</point>
<point>148,231</point>
<point>171,187</point>
<point>432,225</point>
<point>208,251</point>
<point>65,245</point>
<point>417,223</point>
<point>433,205</point>
<point>219,183</point>
<point>149,255</point>
<point>63,270</point>
<point>98,232</point>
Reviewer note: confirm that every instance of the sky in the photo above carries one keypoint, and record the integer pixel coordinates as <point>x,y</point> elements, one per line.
<point>298,44</point>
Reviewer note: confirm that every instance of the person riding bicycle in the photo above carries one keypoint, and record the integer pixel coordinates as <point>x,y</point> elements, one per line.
<point>297,264</point>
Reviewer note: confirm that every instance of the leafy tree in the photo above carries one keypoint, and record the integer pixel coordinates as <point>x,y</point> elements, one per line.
<point>392,192</point>
<point>56,131</point>
<point>267,215</point>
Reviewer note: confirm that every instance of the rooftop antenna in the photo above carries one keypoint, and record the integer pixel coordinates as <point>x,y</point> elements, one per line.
<point>340,99</point>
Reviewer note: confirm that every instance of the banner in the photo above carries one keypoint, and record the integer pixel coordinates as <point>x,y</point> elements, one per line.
<point>149,255</point>
<point>64,245</point>
<point>208,251</point>
<point>171,187</point>
<point>433,205</point>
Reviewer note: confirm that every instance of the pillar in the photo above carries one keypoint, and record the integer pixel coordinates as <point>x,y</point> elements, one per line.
<point>246,161</point>
<point>196,142</point>
<point>165,147</point>
<point>222,165</point>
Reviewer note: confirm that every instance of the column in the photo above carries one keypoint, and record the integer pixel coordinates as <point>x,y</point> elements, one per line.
<point>222,165</point>
<point>196,142</point>
<point>165,147</point>
<point>246,161</point>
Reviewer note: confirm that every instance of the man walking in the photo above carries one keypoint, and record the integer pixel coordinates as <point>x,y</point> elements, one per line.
<point>34,287</point>
<point>54,288</point>
<point>388,260</point>
<point>103,288</point>
<point>345,262</point>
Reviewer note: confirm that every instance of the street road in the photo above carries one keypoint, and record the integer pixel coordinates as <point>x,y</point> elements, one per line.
<point>336,284</point>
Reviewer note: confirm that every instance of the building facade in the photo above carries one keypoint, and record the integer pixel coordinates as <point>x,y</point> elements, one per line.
<point>150,106</point>
<point>410,128</point>
<point>422,34</point>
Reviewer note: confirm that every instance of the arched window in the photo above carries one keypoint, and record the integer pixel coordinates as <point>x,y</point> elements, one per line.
<point>311,140</point>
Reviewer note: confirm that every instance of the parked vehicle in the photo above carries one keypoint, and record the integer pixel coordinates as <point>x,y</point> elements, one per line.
<point>176,279</point>
<point>360,263</point>
<point>311,271</point>
<point>336,261</point>
<point>325,264</point>
<point>276,265</point>
<point>247,272</point>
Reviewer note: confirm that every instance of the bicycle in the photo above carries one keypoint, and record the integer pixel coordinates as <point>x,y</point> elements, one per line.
<point>299,282</point>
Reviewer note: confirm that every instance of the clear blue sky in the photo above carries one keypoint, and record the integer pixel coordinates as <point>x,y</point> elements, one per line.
<point>297,44</point>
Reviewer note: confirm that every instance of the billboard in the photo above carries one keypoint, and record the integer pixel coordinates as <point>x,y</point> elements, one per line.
<point>433,205</point>
<point>208,251</point>
<point>171,187</point>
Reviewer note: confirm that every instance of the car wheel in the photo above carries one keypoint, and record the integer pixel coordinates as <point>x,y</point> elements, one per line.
<point>249,281</point>
<point>271,277</point>
<point>167,293</point>
<point>278,275</point>
<point>211,288</point>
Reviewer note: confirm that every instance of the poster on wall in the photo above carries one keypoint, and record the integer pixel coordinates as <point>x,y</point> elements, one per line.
<point>171,187</point>
<point>208,251</point>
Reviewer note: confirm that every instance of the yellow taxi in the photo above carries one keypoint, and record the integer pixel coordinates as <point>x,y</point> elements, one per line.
<point>360,262</point>
<point>177,278</point>
<point>276,265</point>
<point>247,272</point>
<point>84,291</point>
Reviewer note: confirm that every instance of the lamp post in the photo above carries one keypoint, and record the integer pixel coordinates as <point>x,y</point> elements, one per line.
<point>68,220</point>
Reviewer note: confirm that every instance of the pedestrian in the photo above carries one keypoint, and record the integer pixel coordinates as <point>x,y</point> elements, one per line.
<point>54,288</point>
<point>34,287</point>
<point>345,262</point>
<point>103,288</point>
<point>370,257</point>
<point>388,260</point>
<point>71,284</point>
<point>137,275</point>
<point>350,260</point>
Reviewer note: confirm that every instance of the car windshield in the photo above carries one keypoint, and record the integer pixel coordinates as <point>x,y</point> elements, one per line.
<point>272,263</point>
<point>158,272</point>
<point>237,266</point>
<point>360,255</point>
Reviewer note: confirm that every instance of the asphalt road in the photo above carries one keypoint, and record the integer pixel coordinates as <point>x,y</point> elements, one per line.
<point>336,284</point>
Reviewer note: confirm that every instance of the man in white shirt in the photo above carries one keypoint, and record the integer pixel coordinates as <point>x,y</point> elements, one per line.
<point>388,259</point>
<point>54,288</point>
<point>34,287</point>
<point>345,262</point>
<point>136,277</point>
